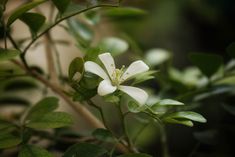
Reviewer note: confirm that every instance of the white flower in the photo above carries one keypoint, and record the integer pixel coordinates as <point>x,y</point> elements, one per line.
<point>115,77</point>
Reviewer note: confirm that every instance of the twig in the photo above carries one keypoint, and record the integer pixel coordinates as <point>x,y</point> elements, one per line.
<point>50,60</point>
<point>60,20</point>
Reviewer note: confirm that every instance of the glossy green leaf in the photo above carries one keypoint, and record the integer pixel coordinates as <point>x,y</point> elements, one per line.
<point>82,32</point>
<point>43,107</point>
<point>231,50</point>
<point>135,107</point>
<point>143,77</point>
<point>33,151</point>
<point>209,64</point>
<point>92,54</point>
<point>135,155</point>
<point>187,115</point>
<point>92,17</point>
<point>77,65</point>
<point>8,140</point>
<point>61,5</point>
<point>103,135</point>
<point>169,102</point>
<point>8,54</point>
<point>84,94</point>
<point>85,150</point>
<point>115,46</point>
<point>176,121</point>
<point>89,81</point>
<point>125,12</point>
<point>51,120</point>
<point>111,98</point>
<point>73,8</point>
<point>33,20</point>
<point>23,9</point>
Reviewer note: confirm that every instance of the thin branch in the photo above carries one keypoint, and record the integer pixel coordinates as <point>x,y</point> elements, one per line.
<point>62,19</point>
<point>50,60</point>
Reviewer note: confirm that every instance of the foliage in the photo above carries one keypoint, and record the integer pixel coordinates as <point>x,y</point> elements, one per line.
<point>178,100</point>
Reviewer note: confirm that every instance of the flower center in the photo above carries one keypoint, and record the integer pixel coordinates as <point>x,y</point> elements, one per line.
<point>116,76</point>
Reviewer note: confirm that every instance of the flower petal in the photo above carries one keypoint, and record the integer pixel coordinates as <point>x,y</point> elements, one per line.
<point>135,68</point>
<point>105,87</point>
<point>94,68</point>
<point>108,62</point>
<point>136,93</point>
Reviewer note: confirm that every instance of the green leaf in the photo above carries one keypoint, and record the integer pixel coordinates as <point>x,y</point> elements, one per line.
<point>51,120</point>
<point>157,56</point>
<point>43,107</point>
<point>143,77</point>
<point>19,85</point>
<point>33,20</point>
<point>8,140</point>
<point>73,8</point>
<point>176,121</point>
<point>111,98</point>
<point>92,17</point>
<point>231,50</point>
<point>13,100</point>
<point>82,94</point>
<point>135,107</point>
<point>188,115</point>
<point>157,107</point>
<point>123,12</point>
<point>115,46</point>
<point>8,54</point>
<point>92,54</point>
<point>82,32</point>
<point>22,9</point>
<point>84,150</point>
<point>33,151</point>
<point>6,127</point>
<point>135,155</point>
<point>89,81</point>
<point>61,5</point>
<point>169,102</point>
<point>77,65</point>
<point>209,64</point>
<point>103,135</point>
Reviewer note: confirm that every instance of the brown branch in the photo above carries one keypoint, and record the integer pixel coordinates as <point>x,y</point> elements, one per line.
<point>83,111</point>
<point>50,60</point>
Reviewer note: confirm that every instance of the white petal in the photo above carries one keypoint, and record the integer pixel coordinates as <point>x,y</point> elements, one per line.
<point>94,68</point>
<point>135,68</point>
<point>108,62</point>
<point>105,87</point>
<point>136,93</point>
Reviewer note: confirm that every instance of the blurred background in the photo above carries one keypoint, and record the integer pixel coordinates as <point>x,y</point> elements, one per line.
<point>185,26</point>
<point>180,27</point>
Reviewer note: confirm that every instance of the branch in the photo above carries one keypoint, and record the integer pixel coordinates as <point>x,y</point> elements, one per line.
<point>50,60</point>
<point>60,20</point>
<point>83,111</point>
